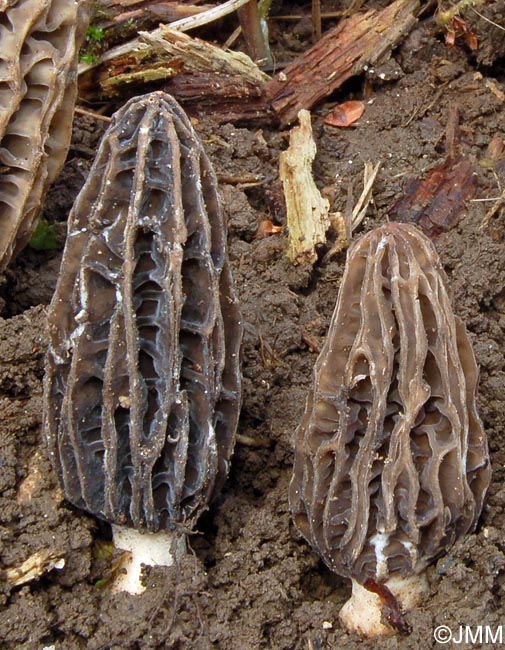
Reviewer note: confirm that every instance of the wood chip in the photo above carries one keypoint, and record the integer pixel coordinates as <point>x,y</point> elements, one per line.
<point>33,567</point>
<point>307,211</point>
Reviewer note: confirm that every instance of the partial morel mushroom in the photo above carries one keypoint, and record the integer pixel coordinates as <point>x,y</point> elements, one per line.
<point>391,463</point>
<point>142,387</point>
<point>39,44</point>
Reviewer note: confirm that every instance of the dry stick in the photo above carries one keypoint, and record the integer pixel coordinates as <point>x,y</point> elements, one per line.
<point>232,38</point>
<point>316,20</point>
<point>92,114</point>
<point>359,211</point>
<point>487,19</point>
<point>182,25</point>
<point>292,17</point>
<point>122,19</point>
<point>346,223</point>
<point>33,567</point>
<point>353,8</point>
<point>209,16</point>
<point>326,15</point>
<point>500,202</point>
<point>452,132</point>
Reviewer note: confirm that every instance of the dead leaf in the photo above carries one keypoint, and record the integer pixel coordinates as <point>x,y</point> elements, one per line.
<point>457,28</point>
<point>267,228</point>
<point>345,114</point>
<point>496,148</point>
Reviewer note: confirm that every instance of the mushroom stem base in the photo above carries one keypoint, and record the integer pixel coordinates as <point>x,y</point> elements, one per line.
<point>154,549</point>
<point>362,613</point>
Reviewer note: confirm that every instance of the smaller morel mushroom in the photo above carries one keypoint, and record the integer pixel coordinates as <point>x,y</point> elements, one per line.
<point>142,386</point>
<point>391,462</point>
<point>39,45</point>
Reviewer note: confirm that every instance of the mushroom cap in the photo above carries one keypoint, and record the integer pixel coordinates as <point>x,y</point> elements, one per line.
<point>391,460</point>
<point>39,46</point>
<point>142,385</point>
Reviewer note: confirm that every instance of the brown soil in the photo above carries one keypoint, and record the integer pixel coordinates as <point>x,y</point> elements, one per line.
<point>251,581</point>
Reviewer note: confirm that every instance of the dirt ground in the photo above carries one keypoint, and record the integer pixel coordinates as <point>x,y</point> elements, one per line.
<point>251,582</point>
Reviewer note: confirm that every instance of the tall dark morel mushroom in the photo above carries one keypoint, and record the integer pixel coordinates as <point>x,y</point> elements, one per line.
<point>39,45</point>
<point>391,462</point>
<point>142,389</point>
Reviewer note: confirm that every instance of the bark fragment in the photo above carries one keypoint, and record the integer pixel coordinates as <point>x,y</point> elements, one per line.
<point>435,203</point>
<point>360,40</point>
<point>225,85</point>
<point>222,98</point>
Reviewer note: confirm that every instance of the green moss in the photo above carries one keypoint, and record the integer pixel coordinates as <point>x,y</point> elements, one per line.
<point>94,34</point>
<point>44,238</point>
<point>94,44</point>
<point>87,57</point>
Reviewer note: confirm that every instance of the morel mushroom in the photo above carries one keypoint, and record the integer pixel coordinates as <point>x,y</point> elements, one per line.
<point>39,44</point>
<point>142,388</point>
<point>391,463</point>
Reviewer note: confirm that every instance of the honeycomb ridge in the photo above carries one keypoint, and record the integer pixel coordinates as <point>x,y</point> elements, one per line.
<point>391,462</point>
<point>142,391</point>
<point>39,44</point>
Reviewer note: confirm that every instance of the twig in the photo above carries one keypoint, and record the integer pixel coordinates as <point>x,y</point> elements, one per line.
<point>316,20</point>
<point>92,114</point>
<point>33,567</point>
<point>209,16</point>
<point>422,110</point>
<point>307,211</point>
<point>499,202</point>
<point>328,15</point>
<point>488,20</point>
<point>346,223</point>
<point>452,132</point>
<point>232,38</point>
<point>369,175</point>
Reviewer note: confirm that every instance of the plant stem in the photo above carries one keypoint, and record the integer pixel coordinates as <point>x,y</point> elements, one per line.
<point>316,20</point>
<point>255,31</point>
<point>443,18</point>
